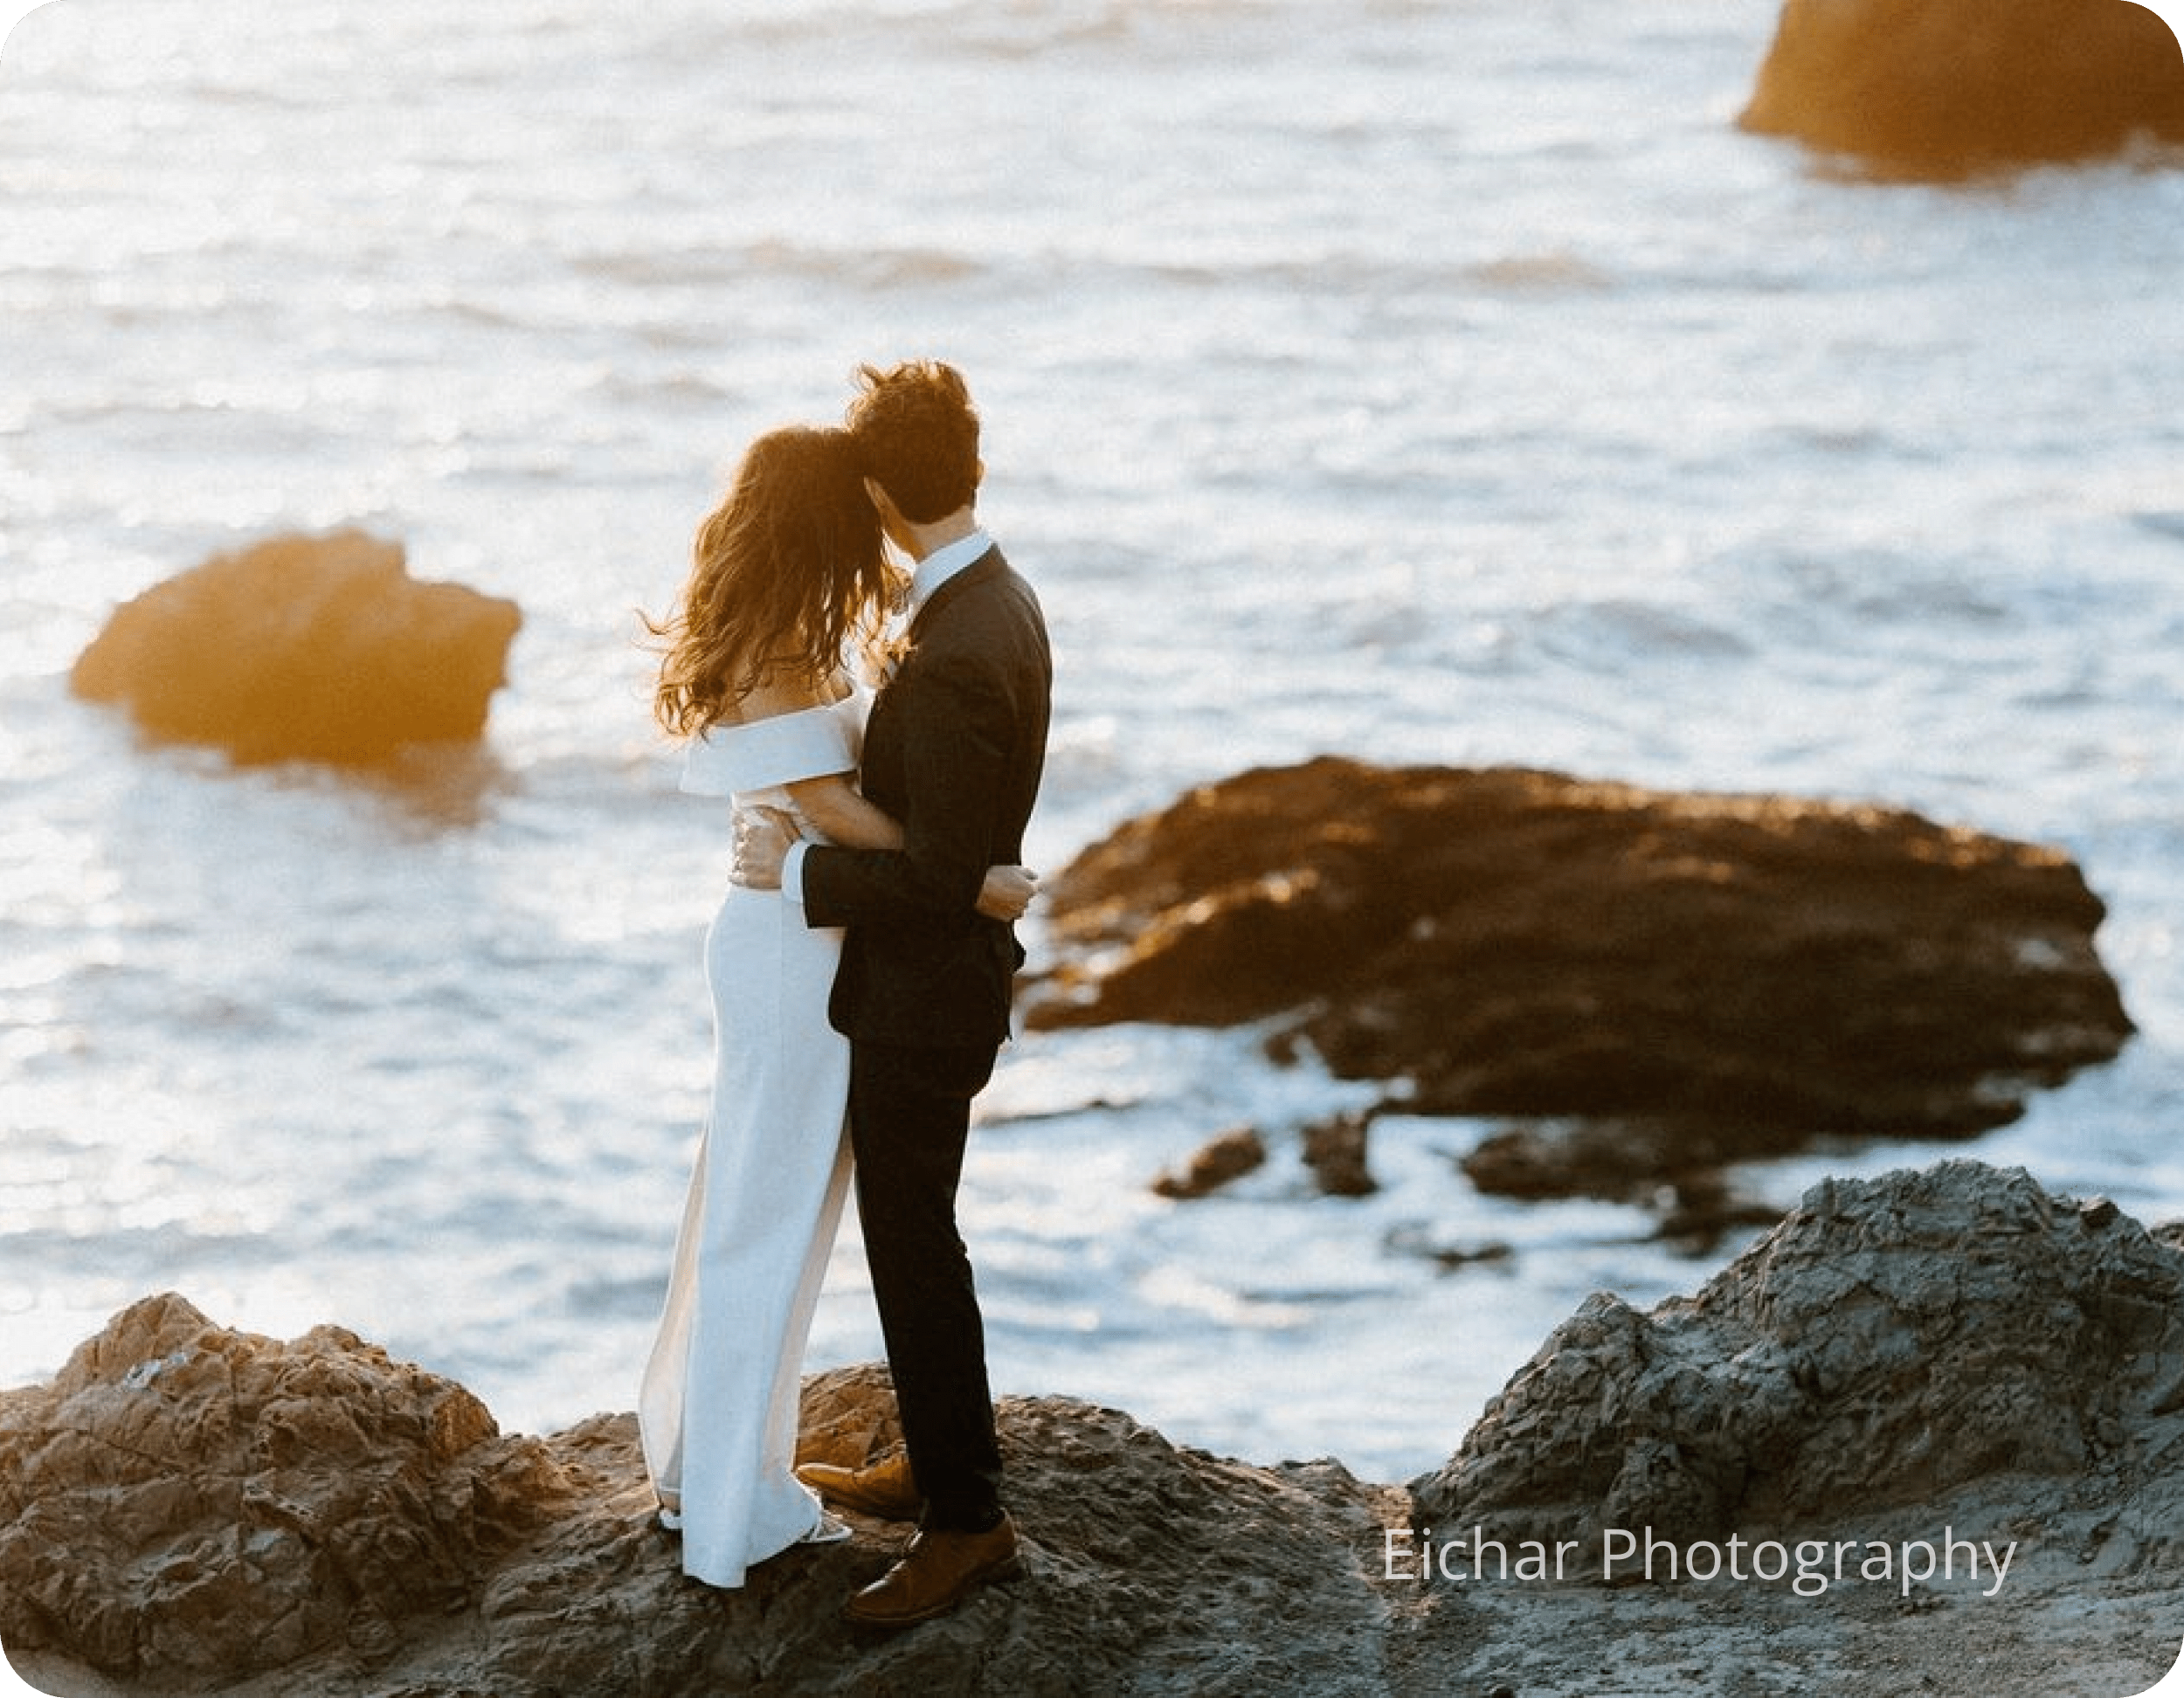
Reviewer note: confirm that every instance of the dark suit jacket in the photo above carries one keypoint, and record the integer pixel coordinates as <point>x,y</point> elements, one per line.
<point>953,750</point>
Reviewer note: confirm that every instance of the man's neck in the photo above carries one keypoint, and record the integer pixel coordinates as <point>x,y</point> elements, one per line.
<point>919,540</point>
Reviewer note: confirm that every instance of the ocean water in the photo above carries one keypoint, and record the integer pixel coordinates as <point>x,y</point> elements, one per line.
<point>1420,382</point>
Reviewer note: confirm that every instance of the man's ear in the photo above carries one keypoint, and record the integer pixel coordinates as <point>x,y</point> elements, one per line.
<point>880,499</point>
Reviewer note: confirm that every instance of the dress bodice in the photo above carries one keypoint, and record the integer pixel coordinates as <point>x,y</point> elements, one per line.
<point>753,763</point>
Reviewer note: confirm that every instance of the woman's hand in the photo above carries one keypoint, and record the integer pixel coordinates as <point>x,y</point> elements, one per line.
<point>763,836</point>
<point>1007,892</point>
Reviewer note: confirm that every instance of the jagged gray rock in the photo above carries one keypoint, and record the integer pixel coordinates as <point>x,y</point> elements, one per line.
<point>1890,1340</point>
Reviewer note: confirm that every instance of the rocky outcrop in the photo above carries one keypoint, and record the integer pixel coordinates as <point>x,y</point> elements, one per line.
<point>317,648</point>
<point>186,1502</point>
<point>1699,978</point>
<point>1891,1342</point>
<point>1944,88</point>
<point>192,1509</point>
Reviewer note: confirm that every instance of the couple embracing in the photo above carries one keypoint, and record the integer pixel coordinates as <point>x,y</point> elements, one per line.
<point>860,967</point>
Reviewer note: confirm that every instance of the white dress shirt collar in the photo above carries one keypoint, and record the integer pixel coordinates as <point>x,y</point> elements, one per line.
<point>944,563</point>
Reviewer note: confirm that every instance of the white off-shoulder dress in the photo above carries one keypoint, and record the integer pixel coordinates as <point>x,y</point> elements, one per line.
<point>718,1405</point>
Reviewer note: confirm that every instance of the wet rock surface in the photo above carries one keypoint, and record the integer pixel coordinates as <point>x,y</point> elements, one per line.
<point>1697,979</point>
<point>313,648</point>
<point>1945,88</point>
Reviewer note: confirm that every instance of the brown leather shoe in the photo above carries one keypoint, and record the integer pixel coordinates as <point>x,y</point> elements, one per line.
<point>885,1489</point>
<point>938,1571</point>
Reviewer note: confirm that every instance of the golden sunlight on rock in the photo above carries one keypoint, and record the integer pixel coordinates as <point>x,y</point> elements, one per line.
<point>1945,88</point>
<point>320,648</point>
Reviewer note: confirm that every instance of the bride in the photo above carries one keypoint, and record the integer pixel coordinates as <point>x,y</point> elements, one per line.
<point>789,577</point>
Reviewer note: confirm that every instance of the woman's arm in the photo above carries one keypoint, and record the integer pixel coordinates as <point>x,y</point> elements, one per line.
<point>832,805</point>
<point>830,801</point>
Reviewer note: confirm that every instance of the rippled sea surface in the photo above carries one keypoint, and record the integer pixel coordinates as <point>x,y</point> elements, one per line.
<point>1421,382</point>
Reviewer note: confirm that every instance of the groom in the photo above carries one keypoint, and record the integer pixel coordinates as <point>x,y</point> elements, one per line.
<point>954,749</point>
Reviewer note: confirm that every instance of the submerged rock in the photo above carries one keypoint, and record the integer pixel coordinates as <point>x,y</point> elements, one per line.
<point>1943,88</point>
<point>1891,1342</point>
<point>320,648</point>
<point>1714,976</point>
<point>1334,1150</point>
<point>1223,1156</point>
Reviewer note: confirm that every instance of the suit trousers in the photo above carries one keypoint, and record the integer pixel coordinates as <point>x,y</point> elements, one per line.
<point>909,1118</point>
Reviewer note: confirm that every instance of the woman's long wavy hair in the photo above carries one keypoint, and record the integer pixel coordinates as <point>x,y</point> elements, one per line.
<point>785,574</point>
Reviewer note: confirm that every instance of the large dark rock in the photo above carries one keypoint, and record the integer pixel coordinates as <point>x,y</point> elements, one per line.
<point>1711,976</point>
<point>319,648</point>
<point>1944,88</point>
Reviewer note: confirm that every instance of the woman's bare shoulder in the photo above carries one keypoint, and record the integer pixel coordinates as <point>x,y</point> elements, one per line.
<point>785,690</point>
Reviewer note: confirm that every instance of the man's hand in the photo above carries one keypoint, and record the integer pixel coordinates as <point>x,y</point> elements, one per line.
<point>1007,892</point>
<point>763,836</point>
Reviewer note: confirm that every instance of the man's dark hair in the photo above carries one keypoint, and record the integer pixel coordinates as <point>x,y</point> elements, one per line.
<point>916,436</point>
